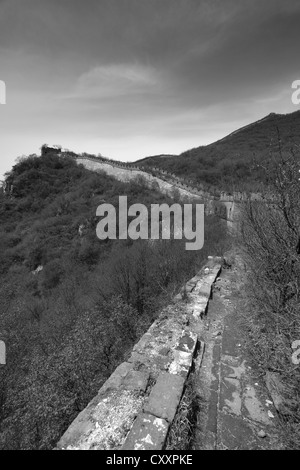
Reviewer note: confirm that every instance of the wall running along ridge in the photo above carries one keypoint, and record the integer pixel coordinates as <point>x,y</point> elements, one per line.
<point>224,205</point>
<point>135,407</point>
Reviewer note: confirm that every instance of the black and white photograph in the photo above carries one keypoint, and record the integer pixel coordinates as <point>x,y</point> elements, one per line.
<point>149,228</point>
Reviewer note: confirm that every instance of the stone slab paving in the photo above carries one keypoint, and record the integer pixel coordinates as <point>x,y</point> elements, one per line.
<point>235,412</point>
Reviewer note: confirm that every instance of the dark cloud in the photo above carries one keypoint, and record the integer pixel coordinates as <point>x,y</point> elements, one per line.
<point>134,74</point>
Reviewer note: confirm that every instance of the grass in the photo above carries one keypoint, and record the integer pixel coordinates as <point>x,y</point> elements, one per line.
<point>181,433</point>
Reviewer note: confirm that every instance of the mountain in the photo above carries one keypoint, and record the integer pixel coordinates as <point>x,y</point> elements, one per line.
<point>230,163</point>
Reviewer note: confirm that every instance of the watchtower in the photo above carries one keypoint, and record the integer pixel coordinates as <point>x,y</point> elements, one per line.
<point>46,150</point>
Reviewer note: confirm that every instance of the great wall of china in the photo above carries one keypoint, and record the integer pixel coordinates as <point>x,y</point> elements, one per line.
<point>222,204</point>
<point>136,406</point>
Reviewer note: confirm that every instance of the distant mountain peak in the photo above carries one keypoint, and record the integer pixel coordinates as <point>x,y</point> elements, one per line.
<point>227,162</point>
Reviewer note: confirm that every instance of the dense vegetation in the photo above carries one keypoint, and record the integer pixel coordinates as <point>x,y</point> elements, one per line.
<point>271,245</point>
<point>233,163</point>
<point>71,306</point>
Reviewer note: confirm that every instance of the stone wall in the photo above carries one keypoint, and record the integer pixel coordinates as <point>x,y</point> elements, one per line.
<point>136,406</point>
<point>223,206</point>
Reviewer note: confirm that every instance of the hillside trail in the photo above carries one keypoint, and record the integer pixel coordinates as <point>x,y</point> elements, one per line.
<point>236,411</point>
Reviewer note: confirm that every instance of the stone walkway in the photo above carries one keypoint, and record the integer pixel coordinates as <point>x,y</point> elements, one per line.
<point>236,411</point>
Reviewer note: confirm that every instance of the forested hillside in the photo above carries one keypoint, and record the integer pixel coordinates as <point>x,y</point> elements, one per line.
<point>71,306</point>
<point>232,163</point>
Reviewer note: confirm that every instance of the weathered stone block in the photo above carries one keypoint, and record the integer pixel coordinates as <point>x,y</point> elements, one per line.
<point>151,362</point>
<point>183,354</point>
<point>187,342</point>
<point>140,346</point>
<point>181,364</point>
<point>165,396</point>
<point>200,308</point>
<point>116,378</point>
<point>147,433</point>
<point>204,290</point>
<point>136,380</point>
<point>103,425</point>
<point>138,358</point>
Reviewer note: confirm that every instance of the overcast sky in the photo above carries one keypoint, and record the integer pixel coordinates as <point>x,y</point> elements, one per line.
<point>132,78</point>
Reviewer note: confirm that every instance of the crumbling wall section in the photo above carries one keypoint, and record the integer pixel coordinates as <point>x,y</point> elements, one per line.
<point>135,407</point>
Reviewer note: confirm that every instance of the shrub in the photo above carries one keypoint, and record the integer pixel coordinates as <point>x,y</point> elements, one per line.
<point>271,241</point>
<point>52,274</point>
